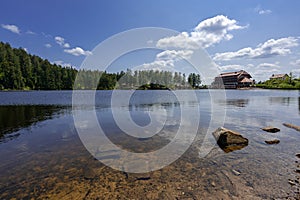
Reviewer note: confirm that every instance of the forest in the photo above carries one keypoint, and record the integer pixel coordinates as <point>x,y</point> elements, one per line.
<point>22,71</point>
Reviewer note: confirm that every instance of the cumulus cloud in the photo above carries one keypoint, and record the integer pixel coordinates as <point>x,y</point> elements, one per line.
<point>166,60</point>
<point>207,33</point>
<point>174,55</point>
<point>157,65</point>
<point>61,41</point>
<point>77,51</point>
<point>225,68</point>
<point>48,45</point>
<point>267,49</point>
<point>12,28</point>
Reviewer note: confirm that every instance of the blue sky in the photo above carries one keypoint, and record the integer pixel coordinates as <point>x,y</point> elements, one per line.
<point>261,37</point>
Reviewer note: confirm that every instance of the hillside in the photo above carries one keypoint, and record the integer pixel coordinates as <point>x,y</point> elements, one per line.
<point>22,71</point>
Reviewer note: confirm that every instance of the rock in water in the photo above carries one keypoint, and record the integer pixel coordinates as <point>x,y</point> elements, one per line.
<point>271,129</point>
<point>297,128</point>
<point>229,140</point>
<point>272,141</point>
<point>89,173</point>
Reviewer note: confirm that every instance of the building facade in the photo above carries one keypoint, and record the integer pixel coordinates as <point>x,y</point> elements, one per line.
<point>233,80</point>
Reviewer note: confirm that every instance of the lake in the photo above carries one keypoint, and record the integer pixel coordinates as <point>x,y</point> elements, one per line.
<point>42,154</point>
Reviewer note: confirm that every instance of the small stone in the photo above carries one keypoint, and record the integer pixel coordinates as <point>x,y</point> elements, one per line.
<point>271,129</point>
<point>291,183</point>
<point>297,128</point>
<point>89,173</point>
<point>297,170</point>
<point>236,172</point>
<point>213,184</point>
<point>298,155</point>
<point>272,141</point>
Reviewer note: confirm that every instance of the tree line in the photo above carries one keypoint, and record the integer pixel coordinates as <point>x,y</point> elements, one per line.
<point>22,71</point>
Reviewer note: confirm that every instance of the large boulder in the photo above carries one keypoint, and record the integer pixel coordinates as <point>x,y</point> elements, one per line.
<point>229,140</point>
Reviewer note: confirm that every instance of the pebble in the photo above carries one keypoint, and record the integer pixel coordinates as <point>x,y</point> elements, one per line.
<point>291,183</point>
<point>213,184</point>
<point>272,141</point>
<point>235,172</point>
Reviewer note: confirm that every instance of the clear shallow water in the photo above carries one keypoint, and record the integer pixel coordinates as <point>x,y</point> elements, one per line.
<point>43,157</point>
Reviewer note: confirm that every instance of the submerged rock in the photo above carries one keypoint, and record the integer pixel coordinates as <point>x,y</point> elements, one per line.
<point>297,128</point>
<point>272,141</point>
<point>271,129</point>
<point>229,140</point>
<point>89,173</point>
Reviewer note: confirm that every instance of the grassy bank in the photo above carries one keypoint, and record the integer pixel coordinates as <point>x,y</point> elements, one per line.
<point>290,84</point>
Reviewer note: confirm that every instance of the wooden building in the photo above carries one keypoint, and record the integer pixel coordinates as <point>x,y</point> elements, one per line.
<point>279,76</point>
<point>233,80</point>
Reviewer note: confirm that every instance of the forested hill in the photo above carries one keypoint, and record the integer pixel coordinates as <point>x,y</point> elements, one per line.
<point>22,71</point>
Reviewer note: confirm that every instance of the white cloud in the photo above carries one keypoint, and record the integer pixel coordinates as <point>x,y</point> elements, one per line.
<point>268,66</point>
<point>12,28</point>
<point>295,63</point>
<point>30,32</point>
<point>270,48</point>
<point>66,45</point>
<point>77,51</point>
<point>48,45</point>
<point>181,41</point>
<point>262,74</point>
<point>62,63</point>
<point>157,65</point>
<point>261,11</point>
<point>207,33</point>
<point>174,55</point>
<point>225,68</point>
<point>165,61</point>
<point>61,41</point>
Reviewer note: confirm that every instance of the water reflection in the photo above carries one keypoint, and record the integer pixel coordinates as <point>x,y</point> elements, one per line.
<point>51,161</point>
<point>235,102</point>
<point>13,118</point>
<point>299,104</point>
<point>281,100</point>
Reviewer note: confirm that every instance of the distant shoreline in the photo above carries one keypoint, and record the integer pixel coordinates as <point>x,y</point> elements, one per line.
<point>251,88</point>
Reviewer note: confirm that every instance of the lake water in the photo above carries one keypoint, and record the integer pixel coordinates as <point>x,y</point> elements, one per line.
<point>42,156</point>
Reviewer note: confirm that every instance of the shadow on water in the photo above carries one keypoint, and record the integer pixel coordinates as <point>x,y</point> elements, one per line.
<point>14,118</point>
